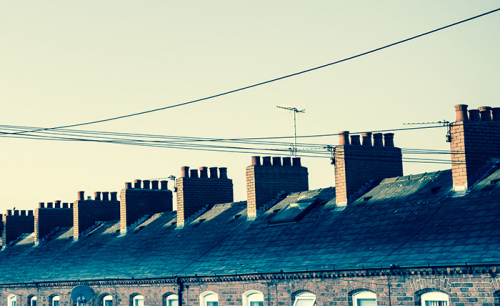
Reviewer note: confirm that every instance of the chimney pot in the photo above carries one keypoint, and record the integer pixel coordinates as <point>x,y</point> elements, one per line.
<point>113,196</point>
<point>81,195</point>
<point>164,185</point>
<point>223,172</point>
<point>185,171</point>
<point>287,161</point>
<point>343,138</point>
<point>105,196</point>
<point>203,172</point>
<point>355,140</point>
<point>389,140</point>
<point>146,184</point>
<point>65,205</point>
<point>255,160</point>
<point>474,115</point>
<point>495,113</point>
<point>193,173</point>
<point>57,204</point>
<point>97,195</point>
<point>23,213</point>
<point>296,161</point>
<point>70,205</point>
<point>128,185</point>
<point>485,112</point>
<point>378,140</point>
<point>137,184</point>
<point>266,161</point>
<point>276,161</point>
<point>367,139</point>
<point>41,205</point>
<point>154,184</point>
<point>49,205</point>
<point>461,112</point>
<point>16,212</point>
<point>8,213</point>
<point>30,213</point>
<point>213,173</point>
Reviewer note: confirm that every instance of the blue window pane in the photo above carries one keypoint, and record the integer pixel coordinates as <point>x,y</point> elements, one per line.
<point>256,303</point>
<point>212,303</point>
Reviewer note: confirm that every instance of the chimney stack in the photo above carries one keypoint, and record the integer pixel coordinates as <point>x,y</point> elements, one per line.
<point>266,181</point>
<point>47,219</point>
<point>195,193</point>
<point>474,144</point>
<point>356,165</point>
<point>14,225</point>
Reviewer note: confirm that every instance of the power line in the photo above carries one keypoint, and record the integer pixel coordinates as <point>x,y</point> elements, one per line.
<point>268,81</point>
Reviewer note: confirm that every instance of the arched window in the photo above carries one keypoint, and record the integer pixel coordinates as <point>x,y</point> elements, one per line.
<point>107,300</point>
<point>138,300</point>
<point>253,298</point>
<point>364,298</point>
<point>209,298</point>
<point>32,301</point>
<point>434,299</point>
<point>12,300</point>
<point>305,299</point>
<point>56,300</point>
<point>172,300</point>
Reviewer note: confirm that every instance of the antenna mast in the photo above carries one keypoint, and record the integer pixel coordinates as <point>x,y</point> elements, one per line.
<point>294,110</point>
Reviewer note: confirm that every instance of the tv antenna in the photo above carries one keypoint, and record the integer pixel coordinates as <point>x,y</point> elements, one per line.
<point>82,294</point>
<point>295,111</point>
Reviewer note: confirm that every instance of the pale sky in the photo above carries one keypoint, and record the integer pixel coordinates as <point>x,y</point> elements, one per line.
<point>65,62</point>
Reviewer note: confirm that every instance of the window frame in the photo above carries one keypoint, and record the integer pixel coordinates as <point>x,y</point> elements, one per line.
<point>435,296</point>
<point>305,296</point>
<point>363,295</point>
<point>107,297</point>
<point>208,296</point>
<point>33,299</point>
<point>54,299</point>
<point>138,297</point>
<point>12,298</point>
<point>252,296</point>
<point>171,297</point>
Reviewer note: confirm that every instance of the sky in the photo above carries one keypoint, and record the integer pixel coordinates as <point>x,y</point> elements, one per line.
<point>68,62</point>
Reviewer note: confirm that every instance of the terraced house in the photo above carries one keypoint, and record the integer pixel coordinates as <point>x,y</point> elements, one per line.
<point>376,238</point>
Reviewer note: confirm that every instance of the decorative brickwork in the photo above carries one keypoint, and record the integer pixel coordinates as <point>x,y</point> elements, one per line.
<point>474,142</point>
<point>195,192</point>
<point>137,202</point>
<point>357,165</point>
<point>16,223</point>
<point>265,181</point>
<point>47,219</point>
<point>87,212</point>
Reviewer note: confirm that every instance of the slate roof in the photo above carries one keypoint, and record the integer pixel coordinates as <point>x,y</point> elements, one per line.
<point>409,221</point>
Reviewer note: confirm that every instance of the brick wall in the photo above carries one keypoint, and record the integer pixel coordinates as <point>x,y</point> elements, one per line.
<point>196,190</point>
<point>16,223</point>
<point>143,198</point>
<point>465,286</point>
<point>358,164</point>
<point>103,207</point>
<point>266,180</point>
<point>50,217</point>
<point>473,143</point>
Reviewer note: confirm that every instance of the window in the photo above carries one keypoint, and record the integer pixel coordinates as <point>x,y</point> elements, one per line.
<point>138,300</point>
<point>107,300</point>
<point>364,298</point>
<point>209,299</point>
<point>253,298</point>
<point>434,299</point>
<point>172,300</point>
<point>56,301</point>
<point>12,300</point>
<point>305,299</point>
<point>32,301</point>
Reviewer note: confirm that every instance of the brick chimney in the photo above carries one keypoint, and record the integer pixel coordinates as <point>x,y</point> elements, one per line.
<point>197,190</point>
<point>475,141</point>
<point>357,163</point>
<point>87,212</point>
<point>16,223</point>
<point>47,219</point>
<point>265,180</point>
<point>140,200</point>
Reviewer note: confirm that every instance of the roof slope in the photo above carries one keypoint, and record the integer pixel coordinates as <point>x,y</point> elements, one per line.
<point>408,221</point>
